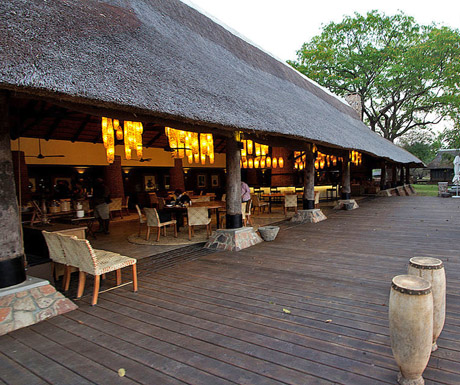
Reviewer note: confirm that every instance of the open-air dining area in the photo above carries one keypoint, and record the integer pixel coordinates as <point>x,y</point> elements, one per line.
<point>180,207</point>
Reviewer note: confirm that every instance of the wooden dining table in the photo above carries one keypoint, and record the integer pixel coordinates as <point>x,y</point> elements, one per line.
<point>270,196</point>
<point>179,211</point>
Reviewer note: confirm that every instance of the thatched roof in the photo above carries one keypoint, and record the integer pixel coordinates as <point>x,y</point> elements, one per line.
<point>164,59</point>
<point>444,159</point>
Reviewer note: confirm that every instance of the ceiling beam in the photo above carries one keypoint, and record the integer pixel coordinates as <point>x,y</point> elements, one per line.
<point>55,124</point>
<point>81,128</point>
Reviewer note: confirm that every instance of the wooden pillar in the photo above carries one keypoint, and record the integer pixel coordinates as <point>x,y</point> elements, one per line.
<point>346,173</point>
<point>12,270</point>
<point>393,175</point>
<point>309,180</point>
<point>383,176</point>
<point>401,174</point>
<point>176,175</point>
<point>234,219</point>
<point>113,178</point>
<point>407,174</point>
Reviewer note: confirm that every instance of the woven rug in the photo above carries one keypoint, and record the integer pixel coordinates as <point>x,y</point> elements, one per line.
<point>169,240</point>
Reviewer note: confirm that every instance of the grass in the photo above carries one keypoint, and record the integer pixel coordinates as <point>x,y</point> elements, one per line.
<point>430,190</point>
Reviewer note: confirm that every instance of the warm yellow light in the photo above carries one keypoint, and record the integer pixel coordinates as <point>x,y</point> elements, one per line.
<point>256,163</point>
<point>249,147</point>
<point>251,163</point>
<point>301,166</point>
<point>262,163</point>
<point>296,165</point>
<point>203,159</point>
<point>257,148</point>
<point>245,163</point>
<point>281,162</point>
<point>274,162</point>
<point>269,162</point>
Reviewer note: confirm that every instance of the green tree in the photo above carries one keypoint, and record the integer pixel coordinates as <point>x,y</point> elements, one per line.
<point>407,75</point>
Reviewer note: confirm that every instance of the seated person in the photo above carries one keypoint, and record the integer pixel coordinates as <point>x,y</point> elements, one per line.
<point>181,197</point>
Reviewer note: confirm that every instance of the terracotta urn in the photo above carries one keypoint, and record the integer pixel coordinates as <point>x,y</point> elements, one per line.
<point>411,326</point>
<point>432,269</point>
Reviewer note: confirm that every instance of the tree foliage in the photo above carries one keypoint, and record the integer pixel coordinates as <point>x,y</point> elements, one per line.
<point>408,76</point>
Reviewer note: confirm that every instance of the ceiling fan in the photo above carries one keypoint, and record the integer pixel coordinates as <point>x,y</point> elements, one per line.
<point>40,155</point>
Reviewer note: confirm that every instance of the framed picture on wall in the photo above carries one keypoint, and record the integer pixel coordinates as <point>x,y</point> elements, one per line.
<point>149,182</point>
<point>214,180</point>
<point>201,180</point>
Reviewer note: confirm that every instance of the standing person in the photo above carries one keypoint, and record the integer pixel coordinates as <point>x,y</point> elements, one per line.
<point>101,200</point>
<point>245,192</point>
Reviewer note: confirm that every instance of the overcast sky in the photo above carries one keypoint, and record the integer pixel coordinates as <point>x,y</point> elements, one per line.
<point>280,27</point>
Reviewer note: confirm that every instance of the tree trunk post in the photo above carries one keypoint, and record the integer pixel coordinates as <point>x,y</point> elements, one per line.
<point>401,175</point>
<point>309,180</point>
<point>12,270</point>
<point>234,218</point>
<point>393,175</point>
<point>383,176</point>
<point>407,174</point>
<point>346,173</point>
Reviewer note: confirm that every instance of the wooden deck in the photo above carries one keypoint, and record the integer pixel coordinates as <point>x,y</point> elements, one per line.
<point>220,320</point>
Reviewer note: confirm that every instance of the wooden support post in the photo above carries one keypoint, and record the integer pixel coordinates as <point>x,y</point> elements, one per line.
<point>176,175</point>
<point>234,218</point>
<point>407,174</point>
<point>393,175</point>
<point>309,180</point>
<point>346,173</point>
<point>12,270</point>
<point>401,174</point>
<point>383,176</point>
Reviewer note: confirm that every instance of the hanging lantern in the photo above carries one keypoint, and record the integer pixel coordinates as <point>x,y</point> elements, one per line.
<point>281,162</point>
<point>249,147</point>
<point>262,163</point>
<point>269,162</point>
<point>256,163</point>
<point>251,163</point>
<point>245,163</point>
<point>274,162</point>
<point>316,164</point>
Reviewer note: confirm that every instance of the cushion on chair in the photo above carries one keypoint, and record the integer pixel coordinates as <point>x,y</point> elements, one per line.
<point>290,201</point>
<point>108,261</point>
<point>198,216</point>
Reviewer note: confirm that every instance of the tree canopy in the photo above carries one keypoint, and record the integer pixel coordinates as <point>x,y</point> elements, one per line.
<point>407,75</point>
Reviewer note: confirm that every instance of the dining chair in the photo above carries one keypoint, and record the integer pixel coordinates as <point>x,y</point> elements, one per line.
<point>153,220</point>
<point>95,262</point>
<point>142,219</point>
<point>256,203</point>
<point>290,201</point>
<point>246,208</point>
<point>198,216</point>
<point>116,205</point>
<point>56,253</point>
<point>125,207</point>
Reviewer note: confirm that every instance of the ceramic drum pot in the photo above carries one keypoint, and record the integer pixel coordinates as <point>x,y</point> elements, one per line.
<point>432,269</point>
<point>411,326</point>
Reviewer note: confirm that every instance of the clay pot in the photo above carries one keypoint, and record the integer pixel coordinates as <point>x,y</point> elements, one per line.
<point>432,269</point>
<point>411,326</point>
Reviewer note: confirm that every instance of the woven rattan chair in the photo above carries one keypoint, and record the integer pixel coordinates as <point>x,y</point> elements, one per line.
<point>142,219</point>
<point>198,216</point>
<point>153,220</point>
<point>95,262</point>
<point>125,207</point>
<point>246,208</point>
<point>116,205</point>
<point>57,255</point>
<point>257,204</point>
<point>290,201</point>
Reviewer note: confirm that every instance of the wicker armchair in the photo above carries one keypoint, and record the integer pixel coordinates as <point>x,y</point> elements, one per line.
<point>116,205</point>
<point>142,219</point>
<point>57,255</point>
<point>198,216</point>
<point>153,220</point>
<point>256,203</point>
<point>290,201</point>
<point>80,253</point>
<point>125,206</point>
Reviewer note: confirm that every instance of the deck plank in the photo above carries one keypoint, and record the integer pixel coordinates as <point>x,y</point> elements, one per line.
<point>218,318</point>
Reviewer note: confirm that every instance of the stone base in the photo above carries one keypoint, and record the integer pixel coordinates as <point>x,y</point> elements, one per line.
<point>341,204</point>
<point>29,303</point>
<point>233,239</point>
<point>309,216</point>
